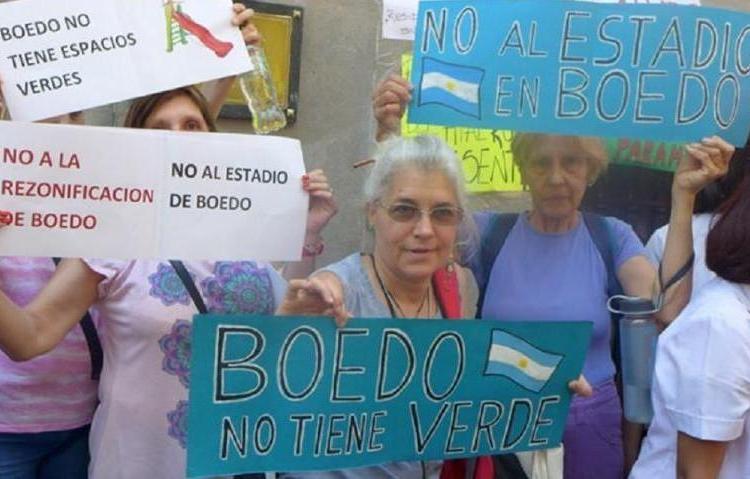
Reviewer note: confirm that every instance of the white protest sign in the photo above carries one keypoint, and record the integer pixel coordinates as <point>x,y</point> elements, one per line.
<point>120,193</point>
<point>399,19</point>
<point>400,16</point>
<point>58,57</point>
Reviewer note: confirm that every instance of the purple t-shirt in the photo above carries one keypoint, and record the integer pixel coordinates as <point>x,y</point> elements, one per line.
<point>558,277</point>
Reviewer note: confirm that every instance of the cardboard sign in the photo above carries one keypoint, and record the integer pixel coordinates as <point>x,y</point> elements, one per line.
<point>58,57</point>
<point>485,155</point>
<point>81,191</point>
<point>296,394</point>
<point>673,73</point>
<point>400,16</point>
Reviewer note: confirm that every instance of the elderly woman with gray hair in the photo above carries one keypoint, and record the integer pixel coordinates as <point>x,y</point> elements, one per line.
<point>547,264</point>
<point>416,209</point>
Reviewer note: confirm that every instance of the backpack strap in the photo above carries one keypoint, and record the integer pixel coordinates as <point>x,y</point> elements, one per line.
<point>490,244</point>
<point>600,233</point>
<point>189,284</point>
<point>92,340</point>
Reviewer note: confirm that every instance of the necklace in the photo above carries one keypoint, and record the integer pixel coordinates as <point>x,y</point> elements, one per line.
<point>393,304</point>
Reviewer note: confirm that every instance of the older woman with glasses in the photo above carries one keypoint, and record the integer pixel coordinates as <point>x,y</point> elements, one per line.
<point>417,212</point>
<point>415,203</point>
<point>547,264</point>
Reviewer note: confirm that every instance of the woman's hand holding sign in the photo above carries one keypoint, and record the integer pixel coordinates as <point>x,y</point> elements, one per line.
<point>241,19</point>
<point>706,162</point>
<point>389,102</point>
<point>320,295</point>
<point>217,91</point>
<point>322,204</point>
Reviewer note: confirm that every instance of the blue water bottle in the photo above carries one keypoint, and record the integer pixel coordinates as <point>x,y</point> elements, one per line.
<point>638,335</point>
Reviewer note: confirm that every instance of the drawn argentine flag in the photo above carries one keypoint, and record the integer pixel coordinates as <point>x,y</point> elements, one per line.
<point>454,86</point>
<point>519,361</point>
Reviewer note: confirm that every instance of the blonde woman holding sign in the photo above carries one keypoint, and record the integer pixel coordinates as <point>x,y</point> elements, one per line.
<point>555,263</point>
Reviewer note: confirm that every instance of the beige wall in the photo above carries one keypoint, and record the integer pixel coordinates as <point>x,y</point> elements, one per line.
<point>342,58</point>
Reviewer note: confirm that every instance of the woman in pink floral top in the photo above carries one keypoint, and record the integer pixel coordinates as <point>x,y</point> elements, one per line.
<point>146,312</point>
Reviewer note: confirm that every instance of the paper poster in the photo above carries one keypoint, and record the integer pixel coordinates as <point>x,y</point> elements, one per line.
<point>82,191</point>
<point>645,71</point>
<point>399,19</point>
<point>485,155</point>
<point>297,394</point>
<point>400,16</point>
<point>58,57</point>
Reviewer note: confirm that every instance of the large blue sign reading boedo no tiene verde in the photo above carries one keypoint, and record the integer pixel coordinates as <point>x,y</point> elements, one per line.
<point>298,394</point>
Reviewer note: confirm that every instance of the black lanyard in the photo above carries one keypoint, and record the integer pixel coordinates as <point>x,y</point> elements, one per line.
<point>92,340</point>
<point>391,307</point>
<point>189,284</point>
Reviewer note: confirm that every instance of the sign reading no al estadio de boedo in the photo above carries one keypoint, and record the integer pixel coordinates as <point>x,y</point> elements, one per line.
<point>662,72</point>
<point>299,394</point>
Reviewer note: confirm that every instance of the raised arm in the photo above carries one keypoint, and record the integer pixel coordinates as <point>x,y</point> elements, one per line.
<point>706,161</point>
<point>389,101</point>
<point>322,208</point>
<point>32,331</point>
<point>699,459</point>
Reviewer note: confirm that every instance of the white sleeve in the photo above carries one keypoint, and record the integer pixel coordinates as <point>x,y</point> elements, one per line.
<point>703,371</point>
<point>655,245</point>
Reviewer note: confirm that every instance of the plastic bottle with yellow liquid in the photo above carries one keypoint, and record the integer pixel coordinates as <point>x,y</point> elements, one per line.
<point>260,94</point>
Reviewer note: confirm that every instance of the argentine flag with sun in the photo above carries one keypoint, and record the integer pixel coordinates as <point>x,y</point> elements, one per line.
<point>519,361</point>
<point>454,86</point>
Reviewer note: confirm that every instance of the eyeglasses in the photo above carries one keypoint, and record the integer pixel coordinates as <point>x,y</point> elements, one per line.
<point>439,215</point>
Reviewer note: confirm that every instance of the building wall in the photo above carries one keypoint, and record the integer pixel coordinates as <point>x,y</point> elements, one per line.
<point>342,59</point>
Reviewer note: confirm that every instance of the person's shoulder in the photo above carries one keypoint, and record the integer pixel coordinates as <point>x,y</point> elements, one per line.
<point>721,299</point>
<point>659,234</point>
<point>716,314</point>
<point>702,224</point>
<point>484,219</point>
<point>112,267</point>
<point>347,268</point>
<point>617,225</point>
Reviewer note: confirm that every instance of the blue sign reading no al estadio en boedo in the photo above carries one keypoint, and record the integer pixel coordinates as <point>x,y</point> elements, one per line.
<point>298,394</point>
<point>660,72</point>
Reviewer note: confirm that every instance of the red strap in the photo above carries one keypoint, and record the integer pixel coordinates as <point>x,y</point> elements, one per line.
<point>485,468</point>
<point>456,469</point>
<point>448,294</point>
<point>453,469</point>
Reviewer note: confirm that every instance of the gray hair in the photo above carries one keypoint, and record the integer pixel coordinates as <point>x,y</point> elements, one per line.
<point>425,153</point>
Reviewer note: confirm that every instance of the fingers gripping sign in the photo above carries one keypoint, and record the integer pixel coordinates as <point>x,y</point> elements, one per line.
<point>707,161</point>
<point>320,295</point>
<point>389,101</point>
<point>241,19</point>
<point>322,202</point>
